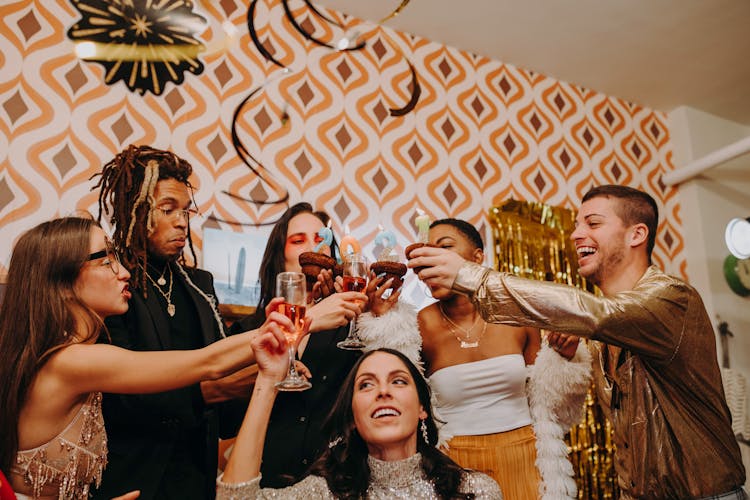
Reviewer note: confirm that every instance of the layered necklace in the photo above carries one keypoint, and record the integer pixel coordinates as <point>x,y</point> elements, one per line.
<point>161,281</point>
<point>466,341</point>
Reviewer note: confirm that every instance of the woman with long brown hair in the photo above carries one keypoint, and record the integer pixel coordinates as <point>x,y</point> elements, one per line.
<point>64,278</point>
<point>381,437</point>
<point>297,416</point>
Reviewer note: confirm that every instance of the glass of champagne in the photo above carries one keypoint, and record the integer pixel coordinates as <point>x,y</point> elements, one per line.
<point>293,288</point>
<point>355,280</point>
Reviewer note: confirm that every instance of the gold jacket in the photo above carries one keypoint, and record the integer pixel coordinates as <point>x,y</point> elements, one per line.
<point>657,376</point>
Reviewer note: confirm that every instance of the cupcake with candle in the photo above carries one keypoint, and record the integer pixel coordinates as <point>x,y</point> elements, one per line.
<point>314,262</point>
<point>414,246</point>
<point>422,221</point>
<point>387,264</point>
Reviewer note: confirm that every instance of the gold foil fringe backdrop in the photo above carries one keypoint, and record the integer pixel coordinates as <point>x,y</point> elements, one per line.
<point>592,453</point>
<point>531,239</point>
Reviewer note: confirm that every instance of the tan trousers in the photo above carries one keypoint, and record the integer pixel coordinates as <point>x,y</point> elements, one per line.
<point>507,457</point>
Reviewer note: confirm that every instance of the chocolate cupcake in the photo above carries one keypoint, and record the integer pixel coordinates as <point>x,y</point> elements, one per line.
<point>395,270</point>
<point>312,263</point>
<point>414,246</point>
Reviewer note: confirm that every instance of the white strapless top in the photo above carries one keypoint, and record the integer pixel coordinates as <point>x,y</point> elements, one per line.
<point>482,397</point>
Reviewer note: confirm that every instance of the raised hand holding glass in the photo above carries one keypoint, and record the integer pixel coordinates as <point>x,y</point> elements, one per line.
<point>355,280</point>
<point>292,287</point>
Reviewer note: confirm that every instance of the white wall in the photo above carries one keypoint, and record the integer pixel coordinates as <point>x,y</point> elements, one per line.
<point>708,202</point>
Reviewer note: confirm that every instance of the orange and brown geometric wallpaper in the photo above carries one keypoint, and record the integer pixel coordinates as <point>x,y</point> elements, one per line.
<point>482,132</point>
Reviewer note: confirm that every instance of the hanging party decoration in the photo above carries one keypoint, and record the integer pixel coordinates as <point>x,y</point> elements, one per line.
<point>145,45</point>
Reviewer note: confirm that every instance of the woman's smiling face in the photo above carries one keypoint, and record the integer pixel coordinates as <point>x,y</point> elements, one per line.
<point>386,407</point>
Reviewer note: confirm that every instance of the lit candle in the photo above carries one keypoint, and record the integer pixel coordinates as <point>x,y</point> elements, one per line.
<point>349,244</point>
<point>327,236</point>
<point>388,245</point>
<point>422,222</point>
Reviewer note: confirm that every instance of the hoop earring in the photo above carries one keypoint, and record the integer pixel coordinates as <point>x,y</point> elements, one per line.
<point>423,428</point>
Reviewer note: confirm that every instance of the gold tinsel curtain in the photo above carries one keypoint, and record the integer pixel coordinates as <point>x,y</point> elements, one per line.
<point>531,240</point>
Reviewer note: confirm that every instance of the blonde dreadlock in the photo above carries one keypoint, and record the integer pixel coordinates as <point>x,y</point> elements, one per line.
<point>147,194</point>
<point>126,197</point>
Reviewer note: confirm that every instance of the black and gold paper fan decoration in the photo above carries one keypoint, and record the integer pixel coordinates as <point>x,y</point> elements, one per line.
<point>144,43</point>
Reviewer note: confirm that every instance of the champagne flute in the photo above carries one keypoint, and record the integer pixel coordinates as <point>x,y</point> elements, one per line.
<point>293,288</point>
<point>355,280</point>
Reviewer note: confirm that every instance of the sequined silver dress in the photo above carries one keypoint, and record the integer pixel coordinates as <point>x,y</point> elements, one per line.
<point>402,479</point>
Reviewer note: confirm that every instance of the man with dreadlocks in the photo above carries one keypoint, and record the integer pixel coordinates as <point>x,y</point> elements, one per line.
<point>162,444</point>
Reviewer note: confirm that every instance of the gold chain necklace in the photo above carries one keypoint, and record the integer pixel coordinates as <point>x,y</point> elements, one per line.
<point>466,342</point>
<point>167,296</point>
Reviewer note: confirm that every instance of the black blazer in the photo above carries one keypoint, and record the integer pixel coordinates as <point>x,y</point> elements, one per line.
<point>143,431</point>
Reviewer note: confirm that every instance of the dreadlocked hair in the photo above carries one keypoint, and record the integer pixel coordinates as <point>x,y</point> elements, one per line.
<point>126,197</point>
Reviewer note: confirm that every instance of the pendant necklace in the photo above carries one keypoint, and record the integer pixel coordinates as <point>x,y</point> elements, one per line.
<point>162,281</point>
<point>466,342</point>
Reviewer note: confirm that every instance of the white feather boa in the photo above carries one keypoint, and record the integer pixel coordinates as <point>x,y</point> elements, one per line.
<point>397,329</point>
<point>556,390</point>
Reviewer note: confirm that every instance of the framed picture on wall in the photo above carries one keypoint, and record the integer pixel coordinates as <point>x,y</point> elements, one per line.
<point>234,260</point>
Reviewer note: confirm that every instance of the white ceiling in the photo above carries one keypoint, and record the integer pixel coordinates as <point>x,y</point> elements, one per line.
<point>658,53</point>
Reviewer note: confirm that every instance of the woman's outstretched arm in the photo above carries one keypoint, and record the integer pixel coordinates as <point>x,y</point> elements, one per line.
<point>84,368</point>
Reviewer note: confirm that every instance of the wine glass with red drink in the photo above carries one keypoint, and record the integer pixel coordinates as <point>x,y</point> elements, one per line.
<point>293,288</point>
<point>355,280</point>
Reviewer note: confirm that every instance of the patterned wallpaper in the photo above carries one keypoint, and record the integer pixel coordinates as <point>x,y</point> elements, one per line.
<point>482,132</point>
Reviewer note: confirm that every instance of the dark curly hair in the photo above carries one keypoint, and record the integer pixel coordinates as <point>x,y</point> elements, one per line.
<point>127,184</point>
<point>344,464</point>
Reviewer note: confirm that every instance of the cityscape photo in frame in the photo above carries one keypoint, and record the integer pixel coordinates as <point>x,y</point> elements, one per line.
<point>234,260</point>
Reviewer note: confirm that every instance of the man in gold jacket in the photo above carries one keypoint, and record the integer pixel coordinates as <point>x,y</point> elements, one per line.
<point>657,372</point>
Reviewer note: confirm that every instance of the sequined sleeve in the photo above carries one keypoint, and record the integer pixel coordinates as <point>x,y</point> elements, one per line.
<point>309,488</point>
<point>482,485</point>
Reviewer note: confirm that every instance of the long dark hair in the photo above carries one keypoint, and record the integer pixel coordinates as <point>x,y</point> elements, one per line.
<point>273,256</point>
<point>40,313</point>
<point>344,464</point>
